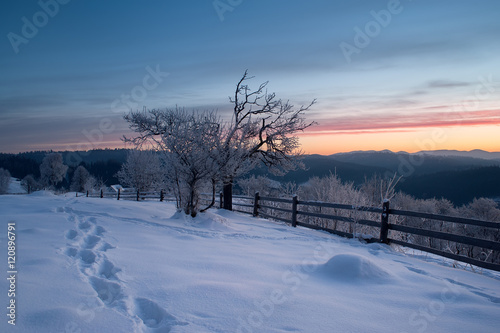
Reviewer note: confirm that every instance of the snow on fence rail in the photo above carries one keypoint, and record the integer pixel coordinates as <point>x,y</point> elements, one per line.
<point>130,195</point>
<point>430,233</point>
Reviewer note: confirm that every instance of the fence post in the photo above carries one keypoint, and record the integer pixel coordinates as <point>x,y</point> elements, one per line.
<point>295,202</point>
<point>118,196</point>
<point>162,195</point>
<point>102,194</point>
<point>256,204</point>
<point>137,195</point>
<point>384,226</point>
<point>221,199</point>
<point>227,190</point>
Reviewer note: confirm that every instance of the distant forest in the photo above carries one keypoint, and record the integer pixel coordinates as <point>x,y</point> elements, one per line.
<point>458,179</point>
<point>102,164</point>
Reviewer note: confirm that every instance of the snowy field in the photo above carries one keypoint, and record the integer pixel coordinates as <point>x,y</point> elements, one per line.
<point>15,187</point>
<point>102,265</point>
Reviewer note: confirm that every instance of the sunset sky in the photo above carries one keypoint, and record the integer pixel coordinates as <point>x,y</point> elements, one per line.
<point>399,75</point>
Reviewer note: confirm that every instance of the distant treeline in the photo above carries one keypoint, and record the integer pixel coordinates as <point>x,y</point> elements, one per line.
<point>103,164</point>
<point>457,179</point>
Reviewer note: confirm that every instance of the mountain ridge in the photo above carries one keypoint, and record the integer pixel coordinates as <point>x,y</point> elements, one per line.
<point>475,153</point>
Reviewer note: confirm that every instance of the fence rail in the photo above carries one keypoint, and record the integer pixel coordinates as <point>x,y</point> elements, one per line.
<point>384,221</point>
<point>130,195</point>
<point>388,230</point>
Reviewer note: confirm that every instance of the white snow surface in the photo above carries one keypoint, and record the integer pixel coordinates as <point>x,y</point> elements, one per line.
<point>15,187</point>
<point>102,265</point>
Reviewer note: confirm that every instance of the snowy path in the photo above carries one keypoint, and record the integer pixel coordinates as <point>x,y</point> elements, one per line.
<point>87,247</point>
<point>98,265</point>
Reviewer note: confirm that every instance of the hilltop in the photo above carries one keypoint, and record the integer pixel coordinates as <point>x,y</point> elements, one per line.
<point>101,265</point>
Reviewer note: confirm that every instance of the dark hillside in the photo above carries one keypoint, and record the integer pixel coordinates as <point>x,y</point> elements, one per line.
<point>413,164</point>
<point>320,166</point>
<point>460,187</point>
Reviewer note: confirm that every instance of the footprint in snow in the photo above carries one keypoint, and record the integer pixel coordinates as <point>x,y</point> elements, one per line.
<point>108,270</point>
<point>84,225</point>
<point>91,241</point>
<point>110,293</point>
<point>71,252</point>
<point>87,256</point>
<point>99,231</point>
<point>71,234</point>
<point>106,246</point>
<point>153,316</point>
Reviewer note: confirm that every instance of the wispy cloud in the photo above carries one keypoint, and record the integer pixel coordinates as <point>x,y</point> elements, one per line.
<point>66,79</point>
<point>447,84</point>
<point>71,132</point>
<point>373,123</point>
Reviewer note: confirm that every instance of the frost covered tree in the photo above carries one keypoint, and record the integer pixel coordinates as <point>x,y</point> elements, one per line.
<point>332,189</point>
<point>142,171</point>
<point>80,177</point>
<point>262,130</point>
<point>264,185</point>
<point>188,141</point>
<point>91,184</point>
<point>52,169</point>
<point>30,184</point>
<point>200,147</point>
<point>483,209</point>
<point>4,180</point>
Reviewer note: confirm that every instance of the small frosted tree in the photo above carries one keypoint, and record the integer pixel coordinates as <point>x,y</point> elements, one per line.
<point>484,209</point>
<point>52,169</point>
<point>91,184</point>
<point>80,177</point>
<point>262,184</point>
<point>142,171</point>
<point>30,184</point>
<point>4,180</point>
<point>332,189</point>
<point>188,142</point>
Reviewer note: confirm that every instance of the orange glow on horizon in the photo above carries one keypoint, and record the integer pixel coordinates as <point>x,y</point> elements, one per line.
<point>452,138</point>
<point>410,132</point>
<point>458,138</point>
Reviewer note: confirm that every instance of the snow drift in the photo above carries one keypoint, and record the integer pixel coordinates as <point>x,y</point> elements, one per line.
<point>353,268</point>
<point>101,265</point>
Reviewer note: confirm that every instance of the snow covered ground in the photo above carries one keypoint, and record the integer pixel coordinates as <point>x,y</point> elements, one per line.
<point>15,187</point>
<point>102,265</point>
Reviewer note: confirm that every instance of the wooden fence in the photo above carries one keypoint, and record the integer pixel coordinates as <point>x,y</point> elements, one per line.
<point>127,195</point>
<point>393,226</point>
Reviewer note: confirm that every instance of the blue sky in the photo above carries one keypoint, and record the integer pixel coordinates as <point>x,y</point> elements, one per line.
<point>429,65</point>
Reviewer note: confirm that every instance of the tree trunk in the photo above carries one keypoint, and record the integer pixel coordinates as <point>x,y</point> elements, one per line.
<point>228,195</point>
<point>214,183</point>
<point>191,208</point>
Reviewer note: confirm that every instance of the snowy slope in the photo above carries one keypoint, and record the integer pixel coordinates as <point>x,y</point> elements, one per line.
<point>15,186</point>
<point>102,265</point>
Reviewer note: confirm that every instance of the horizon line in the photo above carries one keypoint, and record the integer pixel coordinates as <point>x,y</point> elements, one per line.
<point>304,154</point>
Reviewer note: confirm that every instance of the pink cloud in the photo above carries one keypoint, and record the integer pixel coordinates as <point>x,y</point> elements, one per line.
<point>361,124</point>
